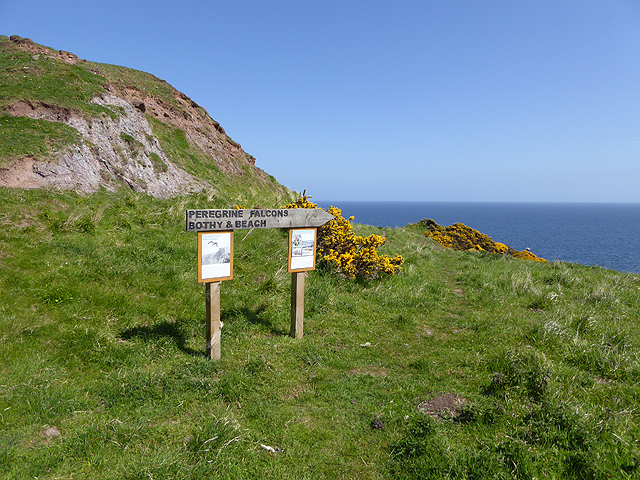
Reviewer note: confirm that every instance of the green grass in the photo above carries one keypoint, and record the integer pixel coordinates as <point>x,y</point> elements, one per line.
<point>245,189</point>
<point>21,136</point>
<point>32,77</point>
<point>102,336</point>
<point>145,83</point>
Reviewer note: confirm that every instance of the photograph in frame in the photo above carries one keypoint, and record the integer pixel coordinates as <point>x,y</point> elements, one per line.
<point>215,256</point>
<point>302,249</point>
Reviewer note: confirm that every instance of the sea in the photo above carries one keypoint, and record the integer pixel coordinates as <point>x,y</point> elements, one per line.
<point>600,234</point>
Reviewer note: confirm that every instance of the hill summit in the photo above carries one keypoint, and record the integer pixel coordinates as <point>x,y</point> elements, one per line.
<point>70,123</point>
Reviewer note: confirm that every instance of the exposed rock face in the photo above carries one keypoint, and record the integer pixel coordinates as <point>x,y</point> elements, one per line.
<point>121,148</point>
<point>113,151</point>
<point>200,129</point>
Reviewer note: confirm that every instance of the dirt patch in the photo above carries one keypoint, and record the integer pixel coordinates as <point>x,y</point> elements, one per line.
<point>377,424</point>
<point>443,406</point>
<point>26,221</point>
<point>39,110</point>
<point>373,371</point>
<point>20,174</point>
<point>51,432</point>
<point>27,45</point>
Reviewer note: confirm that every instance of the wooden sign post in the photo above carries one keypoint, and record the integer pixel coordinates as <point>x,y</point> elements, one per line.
<point>215,263</point>
<point>302,258</point>
<point>214,327</point>
<point>215,255</point>
<point>297,304</point>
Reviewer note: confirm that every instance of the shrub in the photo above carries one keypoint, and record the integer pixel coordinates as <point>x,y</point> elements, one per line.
<point>350,254</point>
<point>460,237</point>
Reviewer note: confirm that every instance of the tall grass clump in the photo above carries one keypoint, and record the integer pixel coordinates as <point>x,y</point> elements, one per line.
<point>521,371</point>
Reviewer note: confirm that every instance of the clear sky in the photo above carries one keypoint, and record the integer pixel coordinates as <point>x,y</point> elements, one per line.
<point>390,100</point>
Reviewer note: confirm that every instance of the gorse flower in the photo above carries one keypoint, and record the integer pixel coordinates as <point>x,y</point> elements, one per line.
<point>460,237</point>
<point>351,254</point>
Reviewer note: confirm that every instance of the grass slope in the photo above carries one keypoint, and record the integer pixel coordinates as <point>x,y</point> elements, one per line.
<point>37,78</point>
<point>102,337</point>
<point>43,79</point>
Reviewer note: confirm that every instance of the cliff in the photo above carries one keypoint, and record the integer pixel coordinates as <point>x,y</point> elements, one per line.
<point>70,123</point>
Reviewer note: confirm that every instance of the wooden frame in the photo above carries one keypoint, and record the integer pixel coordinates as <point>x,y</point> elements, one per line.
<point>302,249</point>
<point>215,256</point>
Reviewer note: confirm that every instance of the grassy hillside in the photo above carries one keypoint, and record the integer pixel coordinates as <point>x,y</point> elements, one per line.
<point>34,77</point>
<point>466,365</point>
<point>42,90</point>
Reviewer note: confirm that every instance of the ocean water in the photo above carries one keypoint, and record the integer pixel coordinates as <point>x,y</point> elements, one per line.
<point>602,234</point>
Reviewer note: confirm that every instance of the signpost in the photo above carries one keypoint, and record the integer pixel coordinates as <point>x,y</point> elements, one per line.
<point>214,325</point>
<point>235,219</point>
<point>215,263</point>
<point>215,255</point>
<point>302,258</point>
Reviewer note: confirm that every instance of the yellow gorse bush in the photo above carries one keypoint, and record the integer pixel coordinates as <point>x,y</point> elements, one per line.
<point>460,237</point>
<point>351,254</point>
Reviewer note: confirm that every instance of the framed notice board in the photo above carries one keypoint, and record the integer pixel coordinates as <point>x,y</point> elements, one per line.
<point>215,256</point>
<point>302,249</point>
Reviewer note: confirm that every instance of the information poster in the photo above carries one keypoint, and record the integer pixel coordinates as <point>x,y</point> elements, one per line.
<point>302,249</point>
<point>215,256</point>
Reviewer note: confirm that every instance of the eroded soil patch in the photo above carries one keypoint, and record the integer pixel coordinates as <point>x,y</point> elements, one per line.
<point>442,406</point>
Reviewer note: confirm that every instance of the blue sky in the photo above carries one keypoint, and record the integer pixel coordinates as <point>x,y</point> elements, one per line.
<point>391,100</point>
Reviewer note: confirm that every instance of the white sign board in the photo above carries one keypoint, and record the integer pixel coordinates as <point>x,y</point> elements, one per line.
<point>302,249</point>
<point>215,256</point>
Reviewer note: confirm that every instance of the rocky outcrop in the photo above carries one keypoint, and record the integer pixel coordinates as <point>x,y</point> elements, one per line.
<point>199,128</point>
<point>113,152</point>
<point>118,146</point>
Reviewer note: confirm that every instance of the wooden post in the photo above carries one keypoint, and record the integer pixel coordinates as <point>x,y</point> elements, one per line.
<point>297,303</point>
<point>213,320</point>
